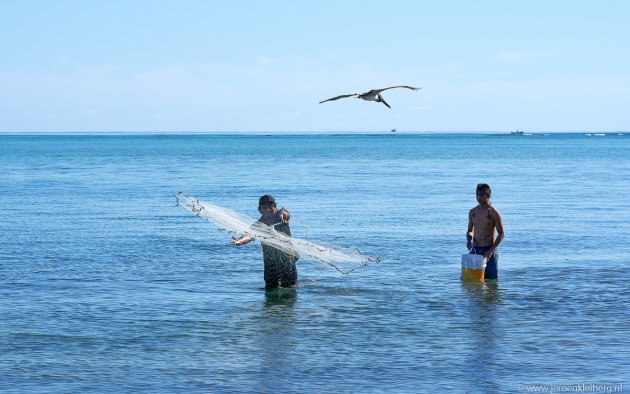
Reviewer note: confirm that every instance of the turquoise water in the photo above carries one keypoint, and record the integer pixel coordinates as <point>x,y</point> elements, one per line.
<point>107,286</point>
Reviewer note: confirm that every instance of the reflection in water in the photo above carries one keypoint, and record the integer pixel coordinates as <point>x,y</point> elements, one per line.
<point>487,292</point>
<point>278,300</point>
<point>276,340</point>
<point>483,359</point>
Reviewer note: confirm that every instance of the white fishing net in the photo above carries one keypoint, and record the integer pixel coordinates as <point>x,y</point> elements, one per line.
<point>344,260</point>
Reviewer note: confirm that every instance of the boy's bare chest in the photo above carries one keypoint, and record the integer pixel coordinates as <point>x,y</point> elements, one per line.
<point>482,217</point>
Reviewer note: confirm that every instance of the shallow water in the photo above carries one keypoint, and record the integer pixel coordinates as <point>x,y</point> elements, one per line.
<point>107,286</point>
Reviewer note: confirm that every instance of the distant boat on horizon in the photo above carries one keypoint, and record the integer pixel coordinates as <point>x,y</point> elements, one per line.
<point>517,132</point>
<point>392,131</point>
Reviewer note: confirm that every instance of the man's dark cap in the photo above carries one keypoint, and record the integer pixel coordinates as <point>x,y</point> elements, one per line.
<point>267,199</point>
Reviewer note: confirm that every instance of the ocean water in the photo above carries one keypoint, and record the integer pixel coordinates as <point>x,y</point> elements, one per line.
<point>107,286</point>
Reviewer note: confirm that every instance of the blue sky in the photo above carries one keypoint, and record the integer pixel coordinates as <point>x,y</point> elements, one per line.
<point>263,66</point>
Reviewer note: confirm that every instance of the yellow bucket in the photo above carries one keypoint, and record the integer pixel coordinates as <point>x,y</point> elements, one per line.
<point>473,267</point>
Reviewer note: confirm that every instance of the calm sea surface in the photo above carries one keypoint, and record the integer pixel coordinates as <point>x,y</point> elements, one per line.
<point>107,286</point>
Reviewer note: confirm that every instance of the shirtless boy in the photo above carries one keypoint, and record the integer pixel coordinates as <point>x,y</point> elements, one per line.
<point>483,221</point>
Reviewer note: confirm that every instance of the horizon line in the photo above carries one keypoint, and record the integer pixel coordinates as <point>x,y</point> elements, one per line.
<point>295,132</point>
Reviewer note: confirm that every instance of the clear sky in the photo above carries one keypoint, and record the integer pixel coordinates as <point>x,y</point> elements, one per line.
<point>536,65</point>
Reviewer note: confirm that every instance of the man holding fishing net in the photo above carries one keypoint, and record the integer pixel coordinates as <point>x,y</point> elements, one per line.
<point>280,268</point>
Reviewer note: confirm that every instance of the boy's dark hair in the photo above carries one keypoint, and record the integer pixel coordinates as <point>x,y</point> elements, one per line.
<point>267,199</point>
<point>484,187</point>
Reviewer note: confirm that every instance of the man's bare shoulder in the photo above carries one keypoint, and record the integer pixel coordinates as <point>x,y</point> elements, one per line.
<point>493,210</point>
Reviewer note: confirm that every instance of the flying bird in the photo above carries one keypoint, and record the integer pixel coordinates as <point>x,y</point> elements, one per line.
<point>372,95</point>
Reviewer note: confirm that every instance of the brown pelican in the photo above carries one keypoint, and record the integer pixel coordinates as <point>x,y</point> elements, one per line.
<point>372,95</point>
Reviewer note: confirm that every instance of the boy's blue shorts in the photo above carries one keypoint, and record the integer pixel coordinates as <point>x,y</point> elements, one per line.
<point>492,266</point>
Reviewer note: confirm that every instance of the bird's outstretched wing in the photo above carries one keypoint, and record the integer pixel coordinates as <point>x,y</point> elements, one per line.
<point>377,91</point>
<point>339,97</point>
<point>382,100</point>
